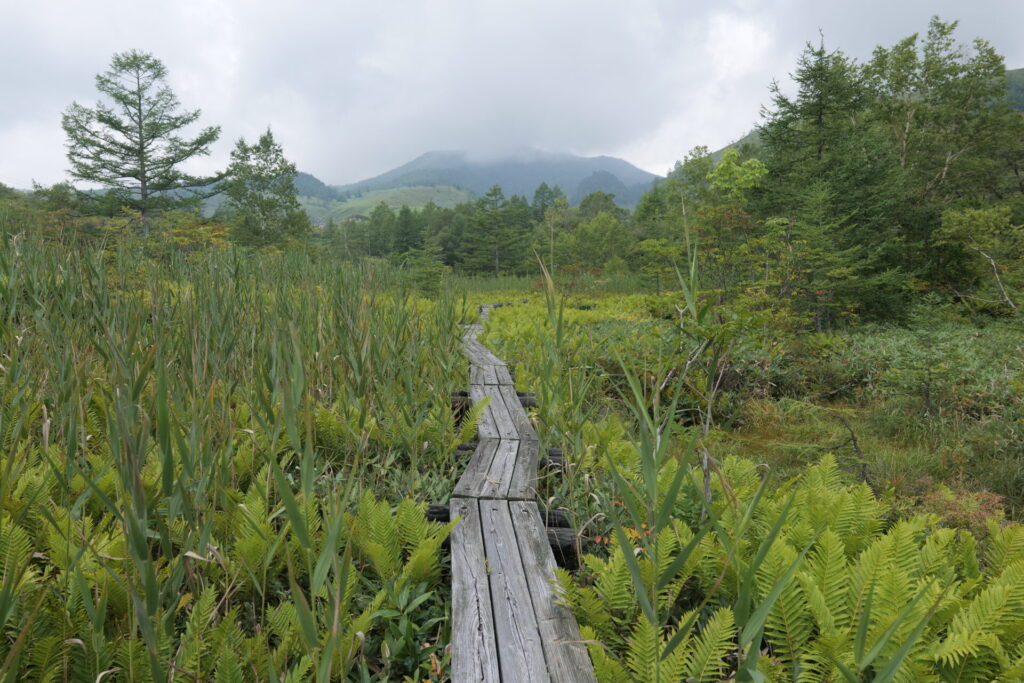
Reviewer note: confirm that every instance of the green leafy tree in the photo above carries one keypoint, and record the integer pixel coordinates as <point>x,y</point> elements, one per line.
<point>953,136</point>
<point>550,234</point>
<point>261,192</point>
<point>599,202</point>
<point>601,239</point>
<point>945,108</point>
<point>724,226</point>
<point>134,146</point>
<point>998,246</point>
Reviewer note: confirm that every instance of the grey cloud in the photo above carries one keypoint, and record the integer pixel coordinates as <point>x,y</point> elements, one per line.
<point>352,89</point>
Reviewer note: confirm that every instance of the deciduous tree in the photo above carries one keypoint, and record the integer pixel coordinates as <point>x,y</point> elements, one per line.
<point>260,187</point>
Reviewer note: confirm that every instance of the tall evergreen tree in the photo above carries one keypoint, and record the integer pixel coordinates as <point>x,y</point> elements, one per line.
<point>487,239</point>
<point>823,146</point>
<point>408,231</point>
<point>380,231</point>
<point>135,145</point>
<point>545,197</point>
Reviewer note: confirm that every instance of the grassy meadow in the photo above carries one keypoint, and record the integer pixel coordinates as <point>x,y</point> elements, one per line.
<point>216,463</point>
<point>882,458</point>
<point>214,466</point>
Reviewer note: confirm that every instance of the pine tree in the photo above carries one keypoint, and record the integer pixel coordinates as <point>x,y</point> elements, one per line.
<point>134,146</point>
<point>823,147</point>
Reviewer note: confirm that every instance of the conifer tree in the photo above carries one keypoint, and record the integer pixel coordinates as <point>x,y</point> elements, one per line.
<point>134,146</point>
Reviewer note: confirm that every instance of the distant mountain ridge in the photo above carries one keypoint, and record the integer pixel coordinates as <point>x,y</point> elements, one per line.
<point>517,173</point>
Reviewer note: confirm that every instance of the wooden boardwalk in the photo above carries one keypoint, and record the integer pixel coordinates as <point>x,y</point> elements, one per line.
<point>507,623</point>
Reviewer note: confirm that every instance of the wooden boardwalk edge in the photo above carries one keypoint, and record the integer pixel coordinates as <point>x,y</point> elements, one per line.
<point>508,623</point>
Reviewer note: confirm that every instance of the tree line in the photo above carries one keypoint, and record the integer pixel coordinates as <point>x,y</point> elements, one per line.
<point>869,185</point>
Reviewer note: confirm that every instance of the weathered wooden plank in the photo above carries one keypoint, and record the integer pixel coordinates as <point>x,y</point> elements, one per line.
<point>503,465</point>
<point>550,518</point>
<point>488,427</point>
<point>504,376</point>
<point>566,656</point>
<point>502,412</point>
<point>474,478</point>
<point>519,416</point>
<point>474,642</point>
<point>522,484</point>
<point>520,651</point>
<point>480,354</point>
<point>478,374</point>
<point>489,374</point>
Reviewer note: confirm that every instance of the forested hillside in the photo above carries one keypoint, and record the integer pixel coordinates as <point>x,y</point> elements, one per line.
<point>873,184</point>
<point>516,173</point>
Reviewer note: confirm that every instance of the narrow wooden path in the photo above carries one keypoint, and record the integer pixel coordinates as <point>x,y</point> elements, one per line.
<point>507,623</point>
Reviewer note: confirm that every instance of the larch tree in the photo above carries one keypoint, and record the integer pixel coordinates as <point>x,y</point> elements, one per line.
<point>135,144</point>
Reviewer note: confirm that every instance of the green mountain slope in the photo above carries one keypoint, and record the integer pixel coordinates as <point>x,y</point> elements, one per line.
<point>320,210</point>
<point>517,173</point>
<point>307,185</point>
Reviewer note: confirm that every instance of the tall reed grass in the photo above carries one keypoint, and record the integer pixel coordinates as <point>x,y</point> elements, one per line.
<point>186,448</point>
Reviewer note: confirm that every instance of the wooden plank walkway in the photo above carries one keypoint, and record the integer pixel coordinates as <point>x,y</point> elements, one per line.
<point>507,623</point>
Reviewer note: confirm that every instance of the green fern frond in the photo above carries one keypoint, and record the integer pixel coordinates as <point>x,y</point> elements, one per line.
<point>826,568</point>
<point>1005,545</point>
<point>788,626</point>
<point>706,660</point>
<point>607,669</point>
<point>412,524</point>
<point>376,536</point>
<point>472,420</point>
<point>614,585</point>
<point>824,475</point>
<point>644,653</point>
<point>229,668</point>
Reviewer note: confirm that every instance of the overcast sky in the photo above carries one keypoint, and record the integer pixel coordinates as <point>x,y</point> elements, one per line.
<point>352,89</point>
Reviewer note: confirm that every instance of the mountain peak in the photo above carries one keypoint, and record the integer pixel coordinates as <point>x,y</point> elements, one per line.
<point>517,171</point>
